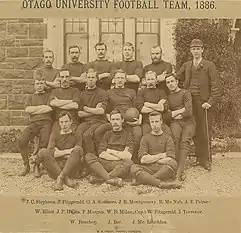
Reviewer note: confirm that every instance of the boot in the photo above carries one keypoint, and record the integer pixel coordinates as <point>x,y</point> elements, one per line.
<point>115,182</point>
<point>134,182</point>
<point>25,170</point>
<point>59,185</point>
<point>36,171</point>
<point>70,183</point>
<point>95,180</point>
<point>170,185</point>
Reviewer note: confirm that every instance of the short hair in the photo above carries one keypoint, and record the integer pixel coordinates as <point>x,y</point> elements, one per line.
<point>150,72</point>
<point>171,74</point>
<point>39,78</point>
<point>155,113</point>
<point>48,51</point>
<point>65,113</point>
<point>116,111</point>
<point>100,44</point>
<point>91,70</point>
<point>119,71</point>
<point>128,44</point>
<point>74,46</point>
<point>156,46</point>
<point>64,69</point>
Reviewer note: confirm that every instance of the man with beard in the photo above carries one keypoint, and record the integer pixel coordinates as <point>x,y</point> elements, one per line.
<point>65,98</point>
<point>157,157</point>
<point>115,152</point>
<point>76,68</point>
<point>132,68</point>
<point>48,71</point>
<point>93,103</point>
<point>102,66</point>
<point>182,123</point>
<point>121,98</point>
<point>160,67</point>
<point>63,156</point>
<point>201,78</point>
<point>150,99</point>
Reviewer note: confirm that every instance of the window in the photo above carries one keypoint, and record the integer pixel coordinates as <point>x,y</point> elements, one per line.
<point>76,32</point>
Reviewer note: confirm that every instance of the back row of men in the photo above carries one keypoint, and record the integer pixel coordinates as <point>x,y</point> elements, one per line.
<point>106,141</point>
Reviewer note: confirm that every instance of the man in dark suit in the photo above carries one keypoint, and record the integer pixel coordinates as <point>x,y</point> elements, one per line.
<point>201,78</point>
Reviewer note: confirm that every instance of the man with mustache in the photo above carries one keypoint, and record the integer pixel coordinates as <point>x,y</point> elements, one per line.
<point>160,67</point>
<point>65,98</point>
<point>114,153</point>
<point>76,68</point>
<point>157,157</point>
<point>48,71</point>
<point>132,68</point>
<point>93,103</point>
<point>102,66</point>
<point>150,99</point>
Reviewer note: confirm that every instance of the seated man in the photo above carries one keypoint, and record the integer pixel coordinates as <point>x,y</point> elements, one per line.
<point>64,156</point>
<point>40,122</point>
<point>115,152</point>
<point>157,157</point>
<point>182,123</point>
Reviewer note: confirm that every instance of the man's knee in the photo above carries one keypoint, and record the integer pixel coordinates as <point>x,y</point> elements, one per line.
<point>172,163</point>
<point>43,153</point>
<point>127,163</point>
<point>135,168</point>
<point>78,150</point>
<point>90,158</point>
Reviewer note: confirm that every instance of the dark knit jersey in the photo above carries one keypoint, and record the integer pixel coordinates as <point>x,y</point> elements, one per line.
<point>62,141</point>
<point>131,68</point>
<point>121,98</point>
<point>159,68</point>
<point>49,73</point>
<point>37,99</point>
<point>180,99</point>
<point>69,93</point>
<point>155,144</point>
<point>101,66</point>
<point>92,97</point>
<point>151,95</point>
<point>116,140</point>
<point>75,69</point>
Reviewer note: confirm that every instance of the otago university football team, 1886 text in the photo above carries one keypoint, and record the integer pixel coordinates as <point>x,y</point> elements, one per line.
<point>107,121</point>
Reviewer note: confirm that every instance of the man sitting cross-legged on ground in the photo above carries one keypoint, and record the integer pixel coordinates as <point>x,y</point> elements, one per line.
<point>182,123</point>
<point>40,122</point>
<point>115,152</point>
<point>93,103</point>
<point>157,156</point>
<point>63,157</point>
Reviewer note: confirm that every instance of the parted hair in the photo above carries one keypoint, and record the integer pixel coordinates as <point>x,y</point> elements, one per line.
<point>128,44</point>
<point>155,113</point>
<point>100,44</point>
<point>74,46</point>
<point>48,51</point>
<point>119,71</point>
<point>172,74</point>
<point>150,72</point>
<point>116,111</point>
<point>64,113</point>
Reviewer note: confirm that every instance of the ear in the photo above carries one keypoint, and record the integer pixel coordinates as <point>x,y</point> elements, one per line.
<point>122,120</point>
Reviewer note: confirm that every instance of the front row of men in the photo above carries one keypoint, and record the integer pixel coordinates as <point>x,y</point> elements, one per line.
<point>146,148</point>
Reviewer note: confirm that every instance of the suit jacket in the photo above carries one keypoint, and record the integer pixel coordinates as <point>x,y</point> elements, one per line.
<point>210,89</point>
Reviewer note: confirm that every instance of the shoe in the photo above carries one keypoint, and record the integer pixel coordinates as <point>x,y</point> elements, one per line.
<point>36,171</point>
<point>196,163</point>
<point>70,183</point>
<point>170,185</point>
<point>58,186</point>
<point>95,180</point>
<point>134,182</point>
<point>25,170</point>
<point>207,166</point>
<point>115,182</point>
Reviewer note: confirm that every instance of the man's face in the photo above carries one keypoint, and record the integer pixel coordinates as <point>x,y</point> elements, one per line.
<point>65,123</point>
<point>100,51</point>
<point>119,80</point>
<point>128,52</point>
<point>172,84</point>
<point>64,78</point>
<point>116,122</point>
<point>48,59</point>
<point>155,123</point>
<point>91,80</point>
<point>39,85</point>
<point>74,54</point>
<point>151,80</point>
<point>156,54</point>
<point>196,52</point>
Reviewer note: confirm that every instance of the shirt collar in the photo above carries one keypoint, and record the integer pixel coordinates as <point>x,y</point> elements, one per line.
<point>36,92</point>
<point>62,132</point>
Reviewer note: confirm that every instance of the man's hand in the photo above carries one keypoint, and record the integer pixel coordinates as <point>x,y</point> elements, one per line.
<point>178,117</point>
<point>206,106</point>
<point>161,77</point>
<point>99,105</point>
<point>85,108</point>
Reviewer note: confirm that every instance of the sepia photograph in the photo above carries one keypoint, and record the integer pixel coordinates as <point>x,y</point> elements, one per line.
<point>103,106</point>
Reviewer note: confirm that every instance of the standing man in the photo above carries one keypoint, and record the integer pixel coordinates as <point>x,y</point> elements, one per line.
<point>114,153</point>
<point>102,66</point>
<point>201,78</point>
<point>40,122</point>
<point>182,123</point>
<point>65,98</point>
<point>160,67</point>
<point>48,71</point>
<point>132,68</point>
<point>93,103</point>
<point>76,68</point>
<point>157,156</point>
<point>151,99</point>
<point>64,156</point>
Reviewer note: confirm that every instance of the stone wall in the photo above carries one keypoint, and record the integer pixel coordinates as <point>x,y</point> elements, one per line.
<point>21,48</point>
